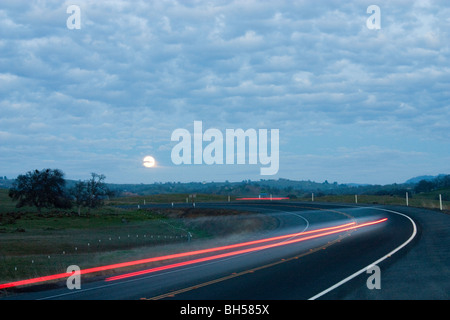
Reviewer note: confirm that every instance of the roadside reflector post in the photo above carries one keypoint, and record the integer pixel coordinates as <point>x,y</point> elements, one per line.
<point>407,199</point>
<point>312,197</point>
<point>356,198</point>
<point>440,201</point>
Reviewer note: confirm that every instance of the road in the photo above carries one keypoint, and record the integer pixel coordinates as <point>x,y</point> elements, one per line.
<point>295,261</point>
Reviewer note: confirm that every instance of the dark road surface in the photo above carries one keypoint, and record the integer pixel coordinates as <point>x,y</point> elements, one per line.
<point>411,249</point>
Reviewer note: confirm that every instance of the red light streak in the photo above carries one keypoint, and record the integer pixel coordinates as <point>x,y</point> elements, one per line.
<point>336,229</point>
<point>233,253</point>
<point>34,280</point>
<point>277,198</point>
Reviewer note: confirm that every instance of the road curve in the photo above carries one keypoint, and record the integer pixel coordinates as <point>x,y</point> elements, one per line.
<point>330,266</point>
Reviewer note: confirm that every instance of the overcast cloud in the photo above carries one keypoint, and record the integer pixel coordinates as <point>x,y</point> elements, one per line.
<point>352,104</point>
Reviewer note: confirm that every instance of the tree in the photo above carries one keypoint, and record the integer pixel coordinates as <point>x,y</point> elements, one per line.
<point>443,181</point>
<point>79,195</point>
<point>42,189</point>
<point>424,186</point>
<point>96,190</point>
<point>90,193</point>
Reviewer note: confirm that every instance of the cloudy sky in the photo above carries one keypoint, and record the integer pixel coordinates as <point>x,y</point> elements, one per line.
<point>352,104</point>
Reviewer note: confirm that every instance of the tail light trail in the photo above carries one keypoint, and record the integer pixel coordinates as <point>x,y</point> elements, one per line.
<point>306,235</point>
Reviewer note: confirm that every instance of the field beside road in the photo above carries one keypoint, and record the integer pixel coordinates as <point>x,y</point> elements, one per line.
<point>428,200</point>
<point>34,245</point>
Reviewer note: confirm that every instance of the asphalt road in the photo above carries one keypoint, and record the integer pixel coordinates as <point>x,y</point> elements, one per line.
<point>410,248</point>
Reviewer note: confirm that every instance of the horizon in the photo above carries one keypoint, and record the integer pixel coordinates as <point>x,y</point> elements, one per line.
<point>352,98</point>
<point>425,177</point>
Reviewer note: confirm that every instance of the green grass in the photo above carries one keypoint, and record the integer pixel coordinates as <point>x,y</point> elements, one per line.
<point>428,200</point>
<point>6,205</point>
<point>33,244</point>
<point>167,198</point>
<point>39,245</point>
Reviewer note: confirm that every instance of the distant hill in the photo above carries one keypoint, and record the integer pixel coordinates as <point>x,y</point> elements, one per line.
<point>426,178</point>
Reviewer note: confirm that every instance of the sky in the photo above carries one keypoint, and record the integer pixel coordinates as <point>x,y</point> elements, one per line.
<point>352,104</point>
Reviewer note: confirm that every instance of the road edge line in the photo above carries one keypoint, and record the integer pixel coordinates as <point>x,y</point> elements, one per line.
<point>375,262</point>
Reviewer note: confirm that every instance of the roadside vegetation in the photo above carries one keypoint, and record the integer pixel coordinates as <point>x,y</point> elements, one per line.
<point>428,200</point>
<point>37,243</point>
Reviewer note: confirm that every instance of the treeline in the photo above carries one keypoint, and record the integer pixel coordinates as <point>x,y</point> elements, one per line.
<point>440,182</point>
<point>284,187</point>
<point>245,187</point>
<point>47,188</point>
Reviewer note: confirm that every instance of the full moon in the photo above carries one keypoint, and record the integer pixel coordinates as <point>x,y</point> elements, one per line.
<point>149,162</point>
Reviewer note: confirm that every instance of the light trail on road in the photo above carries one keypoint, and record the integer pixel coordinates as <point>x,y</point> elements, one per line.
<point>338,229</point>
<point>321,231</point>
<point>273,198</point>
<point>161,258</point>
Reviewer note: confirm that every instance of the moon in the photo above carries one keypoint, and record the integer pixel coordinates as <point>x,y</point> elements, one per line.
<point>149,162</point>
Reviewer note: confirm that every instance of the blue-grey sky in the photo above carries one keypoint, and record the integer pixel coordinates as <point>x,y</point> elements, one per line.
<point>352,104</point>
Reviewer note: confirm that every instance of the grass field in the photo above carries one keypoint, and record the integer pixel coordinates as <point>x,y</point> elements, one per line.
<point>427,200</point>
<point>34,245</point>
<point>167,198</point>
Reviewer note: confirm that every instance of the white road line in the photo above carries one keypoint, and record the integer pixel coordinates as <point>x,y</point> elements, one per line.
<point>295,213</point>
<point>375,262</point>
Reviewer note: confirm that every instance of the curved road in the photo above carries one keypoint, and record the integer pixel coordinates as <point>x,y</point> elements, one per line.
<point>313,254</point>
